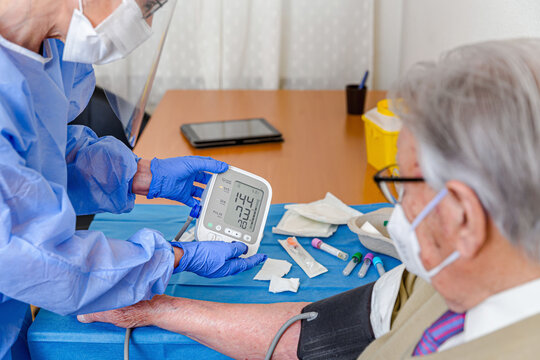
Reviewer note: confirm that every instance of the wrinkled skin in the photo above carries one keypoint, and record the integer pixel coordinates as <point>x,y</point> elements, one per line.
<point>226,328</point>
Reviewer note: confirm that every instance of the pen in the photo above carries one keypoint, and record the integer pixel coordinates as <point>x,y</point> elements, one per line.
<point>363,83</point>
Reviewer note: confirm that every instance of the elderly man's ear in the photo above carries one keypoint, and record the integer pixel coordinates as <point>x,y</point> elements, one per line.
<point>469,219</point>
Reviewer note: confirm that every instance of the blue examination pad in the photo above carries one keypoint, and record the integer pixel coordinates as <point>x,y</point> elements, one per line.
<point>62,337</point>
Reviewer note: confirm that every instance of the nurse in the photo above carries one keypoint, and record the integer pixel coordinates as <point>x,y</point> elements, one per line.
<point>50,172</point>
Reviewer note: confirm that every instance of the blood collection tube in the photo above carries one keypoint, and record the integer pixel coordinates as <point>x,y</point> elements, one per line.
<point>365,266</point>
<point>319,244</point>
<point>379,265</point>
<point>352,264</point>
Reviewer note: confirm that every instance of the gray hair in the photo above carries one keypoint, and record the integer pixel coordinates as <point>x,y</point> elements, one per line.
<point>476,116</point>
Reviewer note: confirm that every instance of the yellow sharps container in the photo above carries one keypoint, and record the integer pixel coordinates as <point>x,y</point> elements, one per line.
<point>382,129</point>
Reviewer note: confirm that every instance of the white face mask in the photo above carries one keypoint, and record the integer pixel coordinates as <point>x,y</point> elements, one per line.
<point>117,36</point>
<point>404,237</point>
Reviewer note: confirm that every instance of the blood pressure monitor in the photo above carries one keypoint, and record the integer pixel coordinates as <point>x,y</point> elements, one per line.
<point>235,208</point>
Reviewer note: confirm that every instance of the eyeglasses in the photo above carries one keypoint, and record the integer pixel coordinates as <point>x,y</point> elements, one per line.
<point>391,184</point>
<point>151,6</point>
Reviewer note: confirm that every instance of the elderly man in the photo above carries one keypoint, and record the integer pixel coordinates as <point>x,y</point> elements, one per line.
<point>466,225</point>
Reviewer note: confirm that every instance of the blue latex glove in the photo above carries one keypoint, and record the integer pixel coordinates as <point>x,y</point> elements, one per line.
<point>214,259</point>
<point>173,178</point>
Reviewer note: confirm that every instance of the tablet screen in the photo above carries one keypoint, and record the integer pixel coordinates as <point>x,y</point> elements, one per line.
<point>232,129</point>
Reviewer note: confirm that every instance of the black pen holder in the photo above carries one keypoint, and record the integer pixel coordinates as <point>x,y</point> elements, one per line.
<point>356,98</point>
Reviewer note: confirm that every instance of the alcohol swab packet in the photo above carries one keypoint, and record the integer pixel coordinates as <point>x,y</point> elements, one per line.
<point>310,266</point>
<point>278,284</point>
<point>273,267</point>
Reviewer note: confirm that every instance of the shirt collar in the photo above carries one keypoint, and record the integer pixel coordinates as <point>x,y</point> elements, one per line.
<point>502,309</point>
<point>28,53</point>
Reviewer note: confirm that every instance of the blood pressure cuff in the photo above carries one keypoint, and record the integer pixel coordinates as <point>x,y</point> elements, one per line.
<point>342,330</point>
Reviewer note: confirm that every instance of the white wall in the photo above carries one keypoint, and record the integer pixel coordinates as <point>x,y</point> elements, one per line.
<point>422,29</point>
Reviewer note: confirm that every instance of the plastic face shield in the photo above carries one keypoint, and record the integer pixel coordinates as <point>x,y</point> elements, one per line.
<point>127,83</point>
<point>149,7</point>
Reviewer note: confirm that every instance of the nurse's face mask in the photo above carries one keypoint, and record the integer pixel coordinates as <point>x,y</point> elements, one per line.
<point>125,29</point>
<point>402,232</point>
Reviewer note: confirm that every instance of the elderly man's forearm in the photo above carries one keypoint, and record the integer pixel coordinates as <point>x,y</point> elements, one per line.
<point>241,331</point>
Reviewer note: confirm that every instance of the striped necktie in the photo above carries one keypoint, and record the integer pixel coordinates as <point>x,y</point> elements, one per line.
<point>448,325</point>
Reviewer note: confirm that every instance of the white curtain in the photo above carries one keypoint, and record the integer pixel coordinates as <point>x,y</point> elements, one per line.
<point>262,44</point>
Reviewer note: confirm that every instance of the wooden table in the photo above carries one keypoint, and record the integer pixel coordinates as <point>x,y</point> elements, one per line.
<point>324,148</point>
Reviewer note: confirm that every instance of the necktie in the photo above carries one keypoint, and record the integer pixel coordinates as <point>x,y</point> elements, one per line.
<point>448,325</point>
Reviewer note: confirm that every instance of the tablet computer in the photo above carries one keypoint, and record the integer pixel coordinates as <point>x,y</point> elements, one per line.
<point>230,132</point>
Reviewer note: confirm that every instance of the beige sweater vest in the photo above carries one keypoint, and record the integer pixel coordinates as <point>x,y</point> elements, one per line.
<point>415,313</point>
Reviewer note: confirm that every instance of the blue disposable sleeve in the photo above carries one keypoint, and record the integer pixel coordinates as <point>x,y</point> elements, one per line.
<point>82,88</point>
<point>45,262</point>
<point>100,171</point>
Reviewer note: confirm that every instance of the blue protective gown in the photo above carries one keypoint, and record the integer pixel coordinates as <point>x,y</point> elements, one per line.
<point>49,173</point>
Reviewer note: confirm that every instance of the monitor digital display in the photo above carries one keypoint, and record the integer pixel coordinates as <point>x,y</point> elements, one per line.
<point>244,206</point>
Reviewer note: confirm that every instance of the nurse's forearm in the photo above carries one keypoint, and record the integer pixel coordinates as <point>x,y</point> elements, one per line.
<point>241,331</point>
<point>142,178</point>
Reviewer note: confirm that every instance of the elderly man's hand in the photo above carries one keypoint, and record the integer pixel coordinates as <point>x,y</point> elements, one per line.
<point>140,314</point>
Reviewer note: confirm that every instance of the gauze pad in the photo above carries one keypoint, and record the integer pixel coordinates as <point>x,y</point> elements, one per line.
<point>273,267</point>
<point>278,284</point>
<point>293,224</point>
<point>310,266</point>
<point>329,210</point>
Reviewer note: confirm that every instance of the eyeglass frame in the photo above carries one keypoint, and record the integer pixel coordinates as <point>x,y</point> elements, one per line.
<point>381,182</point>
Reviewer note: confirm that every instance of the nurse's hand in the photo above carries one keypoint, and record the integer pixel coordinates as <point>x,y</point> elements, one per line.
<point>214,259</point>
<point>173,178</point>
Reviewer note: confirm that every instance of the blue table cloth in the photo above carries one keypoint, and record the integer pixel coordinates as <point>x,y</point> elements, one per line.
<point>62,337</point>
